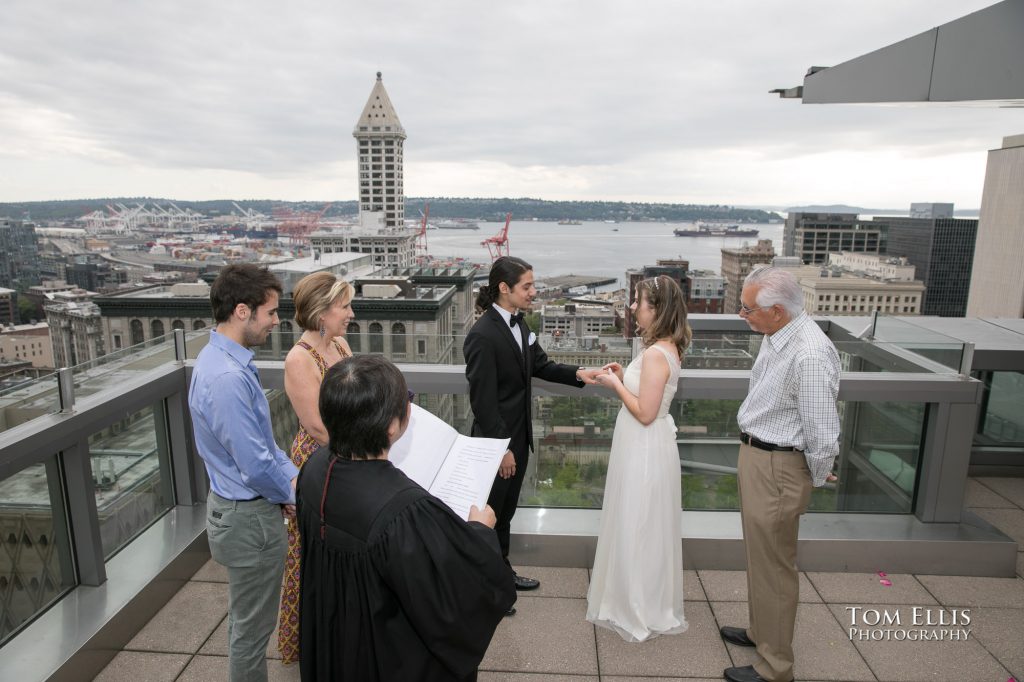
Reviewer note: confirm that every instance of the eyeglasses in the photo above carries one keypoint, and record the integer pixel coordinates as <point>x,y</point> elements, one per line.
<point>747,310</point>
<point>412,396</point>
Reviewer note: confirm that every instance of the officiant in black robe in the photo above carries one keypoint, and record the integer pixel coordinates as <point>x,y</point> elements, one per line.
<point>394,585</point>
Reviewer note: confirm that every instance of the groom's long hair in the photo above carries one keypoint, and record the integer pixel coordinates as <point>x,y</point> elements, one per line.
<point>507,269</point>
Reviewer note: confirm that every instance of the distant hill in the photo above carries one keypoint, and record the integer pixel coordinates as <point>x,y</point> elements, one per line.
<point>440,207</point>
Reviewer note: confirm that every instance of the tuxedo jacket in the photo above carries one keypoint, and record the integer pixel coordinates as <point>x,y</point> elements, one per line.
<point>500,378</point>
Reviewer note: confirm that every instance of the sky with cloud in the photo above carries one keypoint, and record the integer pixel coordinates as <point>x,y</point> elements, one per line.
<point>641,100</point>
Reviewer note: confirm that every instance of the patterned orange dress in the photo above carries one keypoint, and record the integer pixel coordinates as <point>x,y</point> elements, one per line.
<point>303,446</point>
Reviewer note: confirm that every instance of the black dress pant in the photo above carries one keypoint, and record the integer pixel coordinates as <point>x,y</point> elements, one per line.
<point>504,499</point>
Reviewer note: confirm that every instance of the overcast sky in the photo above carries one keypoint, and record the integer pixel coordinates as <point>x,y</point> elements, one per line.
<point>640,100</point>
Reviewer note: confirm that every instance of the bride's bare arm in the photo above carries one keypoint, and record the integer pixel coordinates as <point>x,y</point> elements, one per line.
<point>655,373</point>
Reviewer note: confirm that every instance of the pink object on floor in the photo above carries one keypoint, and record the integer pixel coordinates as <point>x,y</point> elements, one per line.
<point>886,582</point>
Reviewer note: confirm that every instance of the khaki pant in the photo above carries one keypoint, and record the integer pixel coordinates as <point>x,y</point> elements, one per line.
<point>774,488</point>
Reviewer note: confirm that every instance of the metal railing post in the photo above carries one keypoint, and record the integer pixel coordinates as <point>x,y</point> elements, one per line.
<point>66,390</point>
<point>179,345</point>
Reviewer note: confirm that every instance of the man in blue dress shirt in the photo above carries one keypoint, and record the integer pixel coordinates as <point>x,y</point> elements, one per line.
<point>252,481</point>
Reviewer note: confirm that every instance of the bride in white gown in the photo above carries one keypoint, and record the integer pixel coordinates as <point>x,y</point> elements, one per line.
<point>636,587</point>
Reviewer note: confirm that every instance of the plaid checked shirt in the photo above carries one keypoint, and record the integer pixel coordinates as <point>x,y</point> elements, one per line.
<point>792,398</point>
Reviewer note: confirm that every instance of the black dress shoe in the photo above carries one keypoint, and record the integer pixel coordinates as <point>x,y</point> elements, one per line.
<point>744,674</point>
<point>737,636</point>
<point>523,583</point>
<point>511,611</point>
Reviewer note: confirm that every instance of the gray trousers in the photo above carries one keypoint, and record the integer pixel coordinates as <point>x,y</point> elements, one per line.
<point>249,539</point>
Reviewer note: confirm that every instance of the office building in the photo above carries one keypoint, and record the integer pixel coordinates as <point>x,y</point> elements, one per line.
<point>834,291</point>
<point>737,264</point>
<point>942,251</point>
<point>578,319</point>
<point>997,278</point>
<point>19,254</point>
<point>76,330</point>
<point>27,342</point>
<point>812,236</point>
<point>379,138</point>
<point>388,248</point>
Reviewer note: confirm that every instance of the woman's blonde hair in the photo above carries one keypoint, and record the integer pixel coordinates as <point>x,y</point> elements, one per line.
<point>664,295</point>
<point>314,294</point>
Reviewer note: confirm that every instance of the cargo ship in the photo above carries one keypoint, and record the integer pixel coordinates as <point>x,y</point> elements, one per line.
<point>716,230</point>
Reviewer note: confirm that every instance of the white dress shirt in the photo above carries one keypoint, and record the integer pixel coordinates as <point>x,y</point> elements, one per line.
<point>792,398</point>
<point>507,316</point>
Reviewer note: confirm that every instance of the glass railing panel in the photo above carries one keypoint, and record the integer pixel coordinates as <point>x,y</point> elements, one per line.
<point>109,370</point>
<point>22,401</point>
<point>1001,421</point>
<point>902,332</point>
<point>132,476</point>
<point>36,566</point>
<point>878,460</point>
<point>413,348</point>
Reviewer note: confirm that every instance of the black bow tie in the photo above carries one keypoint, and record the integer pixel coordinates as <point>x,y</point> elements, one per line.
<point>515,320</point>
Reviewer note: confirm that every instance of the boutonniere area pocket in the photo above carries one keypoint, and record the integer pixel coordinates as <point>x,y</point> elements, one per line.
<point>532,340</point>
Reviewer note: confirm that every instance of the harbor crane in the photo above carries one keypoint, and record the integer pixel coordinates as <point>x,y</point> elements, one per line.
<point>421,236</point>
<point>497,246</point>
<point>298,225</point>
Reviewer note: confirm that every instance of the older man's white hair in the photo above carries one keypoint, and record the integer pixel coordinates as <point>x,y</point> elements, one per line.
<point>777,287</point>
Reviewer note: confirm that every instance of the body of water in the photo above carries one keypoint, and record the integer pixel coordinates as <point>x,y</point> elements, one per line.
<point>595,248</point>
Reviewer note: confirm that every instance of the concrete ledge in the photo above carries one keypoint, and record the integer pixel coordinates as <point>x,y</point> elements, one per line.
<point>80,634</point>
<point>859,543</point>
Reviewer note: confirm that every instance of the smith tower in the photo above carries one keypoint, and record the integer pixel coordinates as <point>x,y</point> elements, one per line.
<point>379,137</point>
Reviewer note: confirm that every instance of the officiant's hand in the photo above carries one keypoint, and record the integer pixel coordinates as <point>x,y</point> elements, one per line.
<point>507,468</point>
<point>485,516</point>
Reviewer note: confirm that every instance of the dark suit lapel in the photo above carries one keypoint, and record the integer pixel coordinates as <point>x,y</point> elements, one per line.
<point>506,333</point>
<point>527,350</point>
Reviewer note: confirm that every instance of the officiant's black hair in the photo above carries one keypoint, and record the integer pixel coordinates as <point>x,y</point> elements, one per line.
<point>507,269</point>
<point>359,399</point>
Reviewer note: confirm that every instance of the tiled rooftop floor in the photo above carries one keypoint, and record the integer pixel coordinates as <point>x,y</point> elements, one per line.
<point>548,640</point>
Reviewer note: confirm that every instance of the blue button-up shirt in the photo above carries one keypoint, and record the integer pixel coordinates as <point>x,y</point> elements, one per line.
<point>231,422</point>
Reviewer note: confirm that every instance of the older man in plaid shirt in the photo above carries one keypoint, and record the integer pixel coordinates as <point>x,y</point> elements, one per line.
<point>790,439</point>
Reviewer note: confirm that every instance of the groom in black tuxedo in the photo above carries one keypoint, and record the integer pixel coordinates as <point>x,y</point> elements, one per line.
<point>502,357</point>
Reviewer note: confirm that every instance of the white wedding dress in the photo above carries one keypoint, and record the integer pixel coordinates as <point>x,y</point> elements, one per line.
<point>636,587</point>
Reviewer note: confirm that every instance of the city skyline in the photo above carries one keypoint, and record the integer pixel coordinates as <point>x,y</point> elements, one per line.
<point>565,102</point>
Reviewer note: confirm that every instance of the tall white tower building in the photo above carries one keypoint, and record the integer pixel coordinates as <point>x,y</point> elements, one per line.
<point>379,138</point>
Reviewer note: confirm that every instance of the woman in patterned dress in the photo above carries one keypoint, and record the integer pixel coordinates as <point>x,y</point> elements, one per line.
<point>323,309</point>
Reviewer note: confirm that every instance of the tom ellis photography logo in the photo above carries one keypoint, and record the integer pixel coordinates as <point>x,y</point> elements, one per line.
<point>909,623</point>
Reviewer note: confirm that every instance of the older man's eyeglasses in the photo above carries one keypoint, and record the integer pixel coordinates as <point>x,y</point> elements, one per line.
<point>747,310</point>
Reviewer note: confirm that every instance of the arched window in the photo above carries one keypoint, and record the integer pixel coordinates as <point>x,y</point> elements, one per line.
<point>398,338</point>
<point>157,328</point>
<point>138,336</point>
<point>352,336</point>
<point>197,325</point>
<point>376,338</point>
<point>178,324</point>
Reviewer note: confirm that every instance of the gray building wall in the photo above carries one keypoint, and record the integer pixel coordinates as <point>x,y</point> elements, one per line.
<point>942,250</point>
<point>997,280</point>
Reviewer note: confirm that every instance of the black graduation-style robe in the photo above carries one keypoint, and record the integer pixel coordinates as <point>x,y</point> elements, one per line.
<point>394,586</point>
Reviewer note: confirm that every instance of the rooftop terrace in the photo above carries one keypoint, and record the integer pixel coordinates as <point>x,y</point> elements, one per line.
<point>102,504</point>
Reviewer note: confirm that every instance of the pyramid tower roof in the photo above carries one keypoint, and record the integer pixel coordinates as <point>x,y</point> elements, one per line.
<point>379,113</point>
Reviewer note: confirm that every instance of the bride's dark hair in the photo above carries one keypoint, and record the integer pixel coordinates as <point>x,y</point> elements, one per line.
<point>664,295</point>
